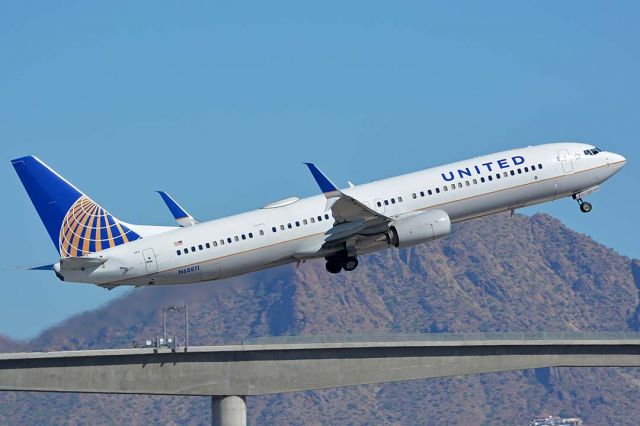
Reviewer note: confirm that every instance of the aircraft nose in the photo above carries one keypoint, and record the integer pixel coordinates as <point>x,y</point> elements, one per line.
<point>619,159</point>
<point>616,160</point>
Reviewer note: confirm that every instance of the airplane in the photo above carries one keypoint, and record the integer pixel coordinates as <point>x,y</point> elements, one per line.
<point>338,225</point>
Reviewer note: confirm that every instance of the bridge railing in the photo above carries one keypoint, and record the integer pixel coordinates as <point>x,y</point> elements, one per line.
<point>437,337</point>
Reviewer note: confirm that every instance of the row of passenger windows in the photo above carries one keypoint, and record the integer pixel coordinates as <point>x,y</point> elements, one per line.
<point>483,179</point>
<point>297,223</point>
<point>220,242</point>
<point>473,181</point>
<point>249,235</point>
<point>389,201</point>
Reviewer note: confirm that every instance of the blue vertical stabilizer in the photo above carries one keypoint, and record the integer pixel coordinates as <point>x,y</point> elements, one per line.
<point>75,223</point>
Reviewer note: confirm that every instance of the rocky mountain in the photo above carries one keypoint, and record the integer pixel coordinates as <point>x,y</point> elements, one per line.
<point>500,273</point>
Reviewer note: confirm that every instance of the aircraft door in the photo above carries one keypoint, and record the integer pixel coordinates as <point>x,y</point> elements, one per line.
<point>565,159</point>
<point>150,260</point>
<point>378,205</point>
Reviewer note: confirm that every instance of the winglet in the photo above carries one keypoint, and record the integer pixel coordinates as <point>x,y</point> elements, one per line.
<point>326,186</point>
<point>181,216</point>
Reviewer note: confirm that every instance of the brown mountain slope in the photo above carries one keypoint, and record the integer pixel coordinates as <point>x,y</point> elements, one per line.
<point>494,274</point>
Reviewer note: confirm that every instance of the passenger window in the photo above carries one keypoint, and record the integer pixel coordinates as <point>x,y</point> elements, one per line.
<point>505,174</point>
<point>199,246</point>
<point>282,227</point>
<point>229,240</point>
<point>186,251</point>
<point>498,176</point>
<point>236,238</point>
<point>414,196</point>
<point>386,202</point>
<point>215,244</point>
<point>490,177</point>
<point>314,221</point>
<point>459,184</point>
<point>429,192</point>
<point>437,190</point>
<point>446,188</point>
<point>482,179</point>
<point>533,168</point>
<point>178,252</point>
<point>304,221</point>
<point>513,173</point>
<point>261,232</point>
<point>207,245</point>
<point>319,218</point>
<point>393,201</point>
<point>244,237</point>
<point>519,171</point>
<point>379,204</point>
<point>540,166</point>
<point>250,235</point>
<point>475,181</point>
<point>193,249</point>
<point>221,242</point>
<point>399,199</point>
<point>467,183</point>
<point>289,226</point>
<point>273,229</point>
<point>326,216</point>
<point>526,169</point>
<point>453,186</point>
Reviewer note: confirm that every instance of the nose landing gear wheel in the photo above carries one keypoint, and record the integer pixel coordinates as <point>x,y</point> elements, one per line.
<point>585,207</point>
<point>350,263</point>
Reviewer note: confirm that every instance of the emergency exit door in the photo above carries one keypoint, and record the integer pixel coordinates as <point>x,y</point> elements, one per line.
<point>150,260</point>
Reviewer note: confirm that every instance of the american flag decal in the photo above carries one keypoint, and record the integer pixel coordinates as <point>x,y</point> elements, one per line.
<point>177,243</point>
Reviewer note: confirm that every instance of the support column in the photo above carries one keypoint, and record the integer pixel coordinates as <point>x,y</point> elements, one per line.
<point>228,411</point>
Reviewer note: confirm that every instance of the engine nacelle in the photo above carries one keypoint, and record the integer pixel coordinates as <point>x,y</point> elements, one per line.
<point>420,228</point>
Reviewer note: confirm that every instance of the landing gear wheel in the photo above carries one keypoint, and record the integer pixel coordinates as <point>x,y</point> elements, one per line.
<point>585,207</point>
<point>350,263</point>
<point>333,267</point>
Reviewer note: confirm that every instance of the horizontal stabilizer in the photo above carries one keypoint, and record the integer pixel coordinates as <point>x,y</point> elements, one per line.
<point>80,263</point>
<point>30,268</point>
<point>181,216</point>
<point>42,268</point>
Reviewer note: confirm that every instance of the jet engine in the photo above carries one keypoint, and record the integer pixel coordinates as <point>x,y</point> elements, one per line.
<point>419,228</point>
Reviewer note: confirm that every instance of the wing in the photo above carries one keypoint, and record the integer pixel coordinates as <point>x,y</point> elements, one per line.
<point>352,216</point>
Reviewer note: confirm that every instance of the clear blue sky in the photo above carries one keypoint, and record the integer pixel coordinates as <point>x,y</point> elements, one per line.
<point>221,103</point>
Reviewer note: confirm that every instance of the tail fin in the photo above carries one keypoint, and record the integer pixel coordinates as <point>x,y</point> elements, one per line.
<point>76,224</point>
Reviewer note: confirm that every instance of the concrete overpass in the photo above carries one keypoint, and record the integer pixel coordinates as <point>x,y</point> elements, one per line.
<point>288,364</point>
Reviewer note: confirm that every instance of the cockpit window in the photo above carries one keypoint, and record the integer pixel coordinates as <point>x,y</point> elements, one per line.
<point>593,151</point>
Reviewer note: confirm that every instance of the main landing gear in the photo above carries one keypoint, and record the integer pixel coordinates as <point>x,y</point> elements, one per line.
<point>585,206</point>
<point>337,263</point>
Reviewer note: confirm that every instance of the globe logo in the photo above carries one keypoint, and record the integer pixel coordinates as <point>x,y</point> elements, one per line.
<point>88,228</point>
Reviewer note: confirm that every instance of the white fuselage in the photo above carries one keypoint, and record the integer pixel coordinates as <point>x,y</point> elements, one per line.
<point>247,242</point>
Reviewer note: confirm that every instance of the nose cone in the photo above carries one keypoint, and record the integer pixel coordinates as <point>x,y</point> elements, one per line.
<point>616,160</point>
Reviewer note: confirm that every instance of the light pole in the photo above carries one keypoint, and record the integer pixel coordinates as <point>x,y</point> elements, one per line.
<point>178,308</point>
